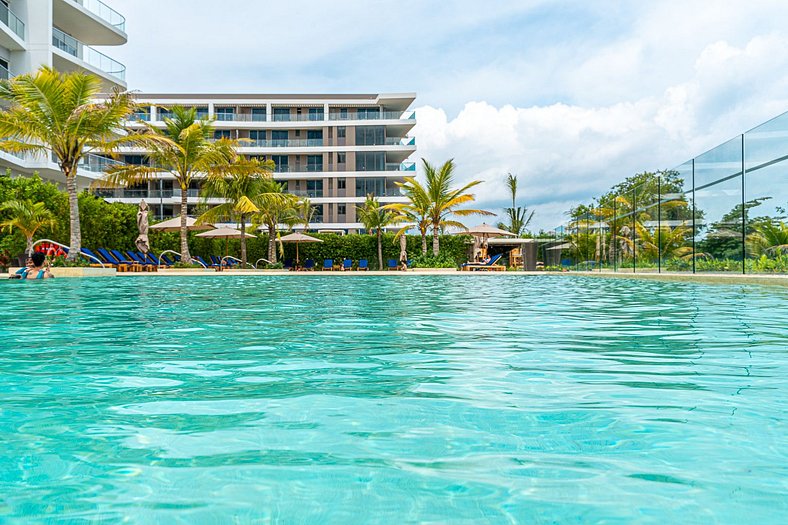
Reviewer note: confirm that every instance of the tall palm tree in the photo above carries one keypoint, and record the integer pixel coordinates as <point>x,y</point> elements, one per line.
<point>415,211</point>
<point>305,211</point>
<point>445,201</point>
<point>519,218</point>
<point>27,217</point>
<point>375,218</point>
<point>238,188</point>
<point>274,207</point>
<point>56,112</point>
<point>186,150</point>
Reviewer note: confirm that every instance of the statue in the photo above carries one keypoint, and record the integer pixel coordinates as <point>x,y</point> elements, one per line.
<point>142,225</point>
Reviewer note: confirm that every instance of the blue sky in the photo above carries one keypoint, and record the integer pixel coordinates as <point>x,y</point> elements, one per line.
<point>572,96</point>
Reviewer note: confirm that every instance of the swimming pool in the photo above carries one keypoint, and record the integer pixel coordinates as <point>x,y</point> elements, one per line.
<point>394,399</point>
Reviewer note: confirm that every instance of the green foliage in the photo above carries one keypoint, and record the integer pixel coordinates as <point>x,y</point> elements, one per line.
<point>62,262</point>
<point>442,260</point>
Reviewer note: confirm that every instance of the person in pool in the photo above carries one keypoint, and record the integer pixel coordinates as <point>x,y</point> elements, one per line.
<point>37,268</point>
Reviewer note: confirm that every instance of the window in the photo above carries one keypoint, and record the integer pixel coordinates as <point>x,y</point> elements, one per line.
<point>279,138</point>
<point>370,161</point>
<point>341,209</point>
<point>222,134</point>
<point>368,113</point>
<point>314,137</point>
<point>341,132</point>
<point>318,216</point>
<point>341,157</point>
<point>280,162</point>
<point>202,113</point>
<point>314,163</point>
<point>225,114</point>
<point>258,114</point>
<point>315,113</point>
<point>314,188</point>
<point>281,114</point>
<point>135,160</point>
<point>341,184</point>
<point>164,113</point>
<point>367,186</point>
<point>369,136</point>
<point>257,135</point>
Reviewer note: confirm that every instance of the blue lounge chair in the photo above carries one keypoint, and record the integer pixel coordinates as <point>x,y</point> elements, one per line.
<point>205,264</point>
<point>215,261</point>
<point>288,264</point>
<point>152,259</point>
<point>410,263</point>
<point>121,264</point>
<point>136,258</point>
<point>143,259</point>
<point>489,265</point>
<point>92,257</point>
<point>392,264</point>
<point>328,264</point>
<point>166,260</point>
<point>363,264</point>
<point>309,264</point>
<point>347,264</point>
<point>124,259</point>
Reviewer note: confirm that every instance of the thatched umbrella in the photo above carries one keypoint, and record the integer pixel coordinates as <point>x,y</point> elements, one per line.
<point>142,242</point>
<point>298,238</point>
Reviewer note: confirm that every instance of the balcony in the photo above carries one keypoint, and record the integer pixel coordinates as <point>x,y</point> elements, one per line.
<point>13,22</point>
<point>303,117</point>
<point>240,117</point>
<point>123,193</point>
<point>96,59</point>
<point>91,21</point>
<point>400,141</point>
<point>282,143</point>
<point>105,12</point>
<point>96,163</point>
<point>311,194</point>
<point>382,115</point>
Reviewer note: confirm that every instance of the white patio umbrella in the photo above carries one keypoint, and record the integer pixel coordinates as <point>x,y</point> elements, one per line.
<point>298,238</point>
<point>224,233</point>
<point>174,225</point>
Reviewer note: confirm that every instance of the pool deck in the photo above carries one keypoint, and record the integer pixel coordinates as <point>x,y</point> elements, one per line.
<point>708,278</point>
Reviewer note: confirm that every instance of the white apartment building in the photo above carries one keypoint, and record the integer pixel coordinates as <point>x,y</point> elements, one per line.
<point>333,149</point>
<point>59,34</point>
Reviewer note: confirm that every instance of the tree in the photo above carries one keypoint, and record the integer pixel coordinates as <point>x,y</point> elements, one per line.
<point>375,218</point>
<point>184,148</point>
<point>274,207</point>
<point>519,218</point>
<point>770,238</point>
<point>443,200</point>
<point>27,217</point>
<point>238,188</point>
<point>305,211</point>
<point>415,211</point>
<point>56,112</point>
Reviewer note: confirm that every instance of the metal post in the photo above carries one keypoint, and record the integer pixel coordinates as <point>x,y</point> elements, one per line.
<point>694,233</point>
<point>743,213</point>
<point>634,230</point>
<point>613,238</point>
<point>659,224</point>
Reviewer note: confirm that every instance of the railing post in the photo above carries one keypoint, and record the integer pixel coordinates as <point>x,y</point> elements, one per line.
<point>659,224</point>
<point>694,233</point>
<point>743,213</point>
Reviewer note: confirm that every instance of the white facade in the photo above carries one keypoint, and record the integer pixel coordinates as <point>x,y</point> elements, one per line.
<point>333,149</point>
<point>59,34</point>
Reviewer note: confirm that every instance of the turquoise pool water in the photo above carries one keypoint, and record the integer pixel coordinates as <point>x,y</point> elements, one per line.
<point>397,399</point>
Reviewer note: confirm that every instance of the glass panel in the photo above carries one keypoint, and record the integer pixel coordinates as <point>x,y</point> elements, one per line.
<point>718,209</point>
<point>766,196</point>
<point>675,219</point>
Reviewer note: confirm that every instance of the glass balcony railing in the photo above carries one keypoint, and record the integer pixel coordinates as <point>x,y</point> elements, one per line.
<point>240,117</point>
<point>281,143</point>
<point>97,163</point>
<point>12,21</point>
<point>105,12</point>
<point>312,194</point>
<point>303,117</point>
<point>381,115</point>
<point>400,141</point>
<point>123,193</point>
<point>97,59</point>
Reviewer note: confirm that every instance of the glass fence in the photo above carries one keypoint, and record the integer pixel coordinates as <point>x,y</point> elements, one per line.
<point>726,210</point>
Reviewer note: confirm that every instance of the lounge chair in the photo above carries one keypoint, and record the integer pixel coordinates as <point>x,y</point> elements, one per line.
<point>328,264</point>
<point>391,264</point>
<point>288,264</point>
<point>363,265</point>
<point>166,260</point>
<point>125,259</point>
<point>215,261</point>
<point>488,266</point>
<point>347,264</point>
<point>204,264</point>
<point>91,257</point>
<point>109,258</point>
<point>309,264</point>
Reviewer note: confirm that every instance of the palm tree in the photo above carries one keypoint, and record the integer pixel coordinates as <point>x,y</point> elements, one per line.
<point>769,238</point>
<point>375,218</point>
<point>274,207</point>
<point>664,242</point>
<point>185,148</point>
<point>519,218</point>
<point>238,188</point>
<point>27,217</point>
<point>445,201</point>
<point>305,211</point>
<point>415,211</point>
<point>56,112</point>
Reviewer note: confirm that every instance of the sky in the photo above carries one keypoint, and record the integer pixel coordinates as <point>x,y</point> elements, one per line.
<point>570,96</point>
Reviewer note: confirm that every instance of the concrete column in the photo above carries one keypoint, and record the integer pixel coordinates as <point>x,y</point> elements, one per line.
<point>268,113</point>
<point>211,110</point>
<point>154,111</point>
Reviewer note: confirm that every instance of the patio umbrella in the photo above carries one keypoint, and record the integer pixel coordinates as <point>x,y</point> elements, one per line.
<point>482,232</point>
<point>403,250</point>
<point>224,233</point>
<point>142,241</point>
<point>298,238</point>
<point>174,225</point>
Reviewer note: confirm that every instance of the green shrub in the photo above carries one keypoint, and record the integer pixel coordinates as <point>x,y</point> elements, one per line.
<point>428,261</point>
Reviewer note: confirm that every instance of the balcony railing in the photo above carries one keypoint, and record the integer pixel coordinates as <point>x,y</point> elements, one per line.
<point>122,193</point>
<point>382,115</point>
<point>240,117</point>
<point>12,21</point>
<point>177,192</point>
<point>105,12</point>
<point>281,143</point>
<point>400,141</point>
<point>303,117</point>
<point>97,163</point>
<point>312,194</point>
<point>97,59</point>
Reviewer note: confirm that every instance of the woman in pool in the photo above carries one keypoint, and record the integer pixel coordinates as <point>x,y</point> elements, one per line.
<point>37,268</point>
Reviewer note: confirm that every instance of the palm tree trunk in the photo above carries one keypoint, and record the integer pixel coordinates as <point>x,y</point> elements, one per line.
<point>185,256</point>
<point>380,251</point>
<point>436,247</point>
<point>30,246</point>
<point>243,241</point>
<point>75,245</point>
<point>272,243</point>
<point>424,242</point>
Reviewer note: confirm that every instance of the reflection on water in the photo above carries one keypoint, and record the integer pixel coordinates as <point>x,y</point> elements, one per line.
<point>393,399</point>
